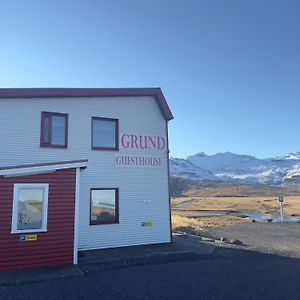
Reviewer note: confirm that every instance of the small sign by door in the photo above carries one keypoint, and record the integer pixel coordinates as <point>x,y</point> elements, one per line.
<point>147,223</point>
<point>28,237</point>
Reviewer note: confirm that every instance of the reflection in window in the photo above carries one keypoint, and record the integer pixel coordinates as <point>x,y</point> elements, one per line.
<point>45,133</point>
<point>54,131</point>
<point>104,206</point>
<point>30,207</point>
<point>58,130</point>
<point>104,133</point>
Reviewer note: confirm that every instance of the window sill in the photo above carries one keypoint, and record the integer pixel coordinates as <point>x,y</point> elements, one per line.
<point>28,231</point>
<point>104,149</point>
<point>53,146</point>
<point>92,223</point>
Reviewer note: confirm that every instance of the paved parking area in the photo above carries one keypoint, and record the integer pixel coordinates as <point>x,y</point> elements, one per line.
<point>187,269</point>
<point>224,274</point>
<point>107,259</point>
<point>276,238</point>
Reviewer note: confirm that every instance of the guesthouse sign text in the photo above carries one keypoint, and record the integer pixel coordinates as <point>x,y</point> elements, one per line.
<point>145,144</point>
<point>148,142</point>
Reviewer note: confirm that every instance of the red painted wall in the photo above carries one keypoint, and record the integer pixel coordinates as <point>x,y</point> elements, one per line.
<point>52,248</point>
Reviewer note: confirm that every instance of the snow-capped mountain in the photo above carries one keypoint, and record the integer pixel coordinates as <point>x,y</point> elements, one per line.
<point>232,167</point>
<point>182,166</point>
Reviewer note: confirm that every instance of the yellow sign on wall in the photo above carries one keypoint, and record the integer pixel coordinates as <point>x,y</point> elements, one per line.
<point>28,237</point>
<point>147,223</point>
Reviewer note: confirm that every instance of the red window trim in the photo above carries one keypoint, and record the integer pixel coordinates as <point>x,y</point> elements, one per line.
<point>116,219</point>
<point>116,121</point>
<point>42,138</point>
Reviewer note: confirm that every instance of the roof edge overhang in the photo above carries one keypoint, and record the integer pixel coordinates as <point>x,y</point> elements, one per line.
<point>42,167</point>
<point>89,92</point>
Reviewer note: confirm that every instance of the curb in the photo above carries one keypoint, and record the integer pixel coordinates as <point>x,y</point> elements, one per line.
<point>158,258</point>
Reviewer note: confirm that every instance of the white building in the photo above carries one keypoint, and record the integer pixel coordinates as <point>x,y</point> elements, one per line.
<point>91,160</point>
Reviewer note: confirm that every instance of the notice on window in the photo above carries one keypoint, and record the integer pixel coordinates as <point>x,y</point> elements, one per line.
<point>138,161</point>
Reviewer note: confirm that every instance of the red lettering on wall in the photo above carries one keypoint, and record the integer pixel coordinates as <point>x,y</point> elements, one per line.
<point>161,143</point>
<point>147,142</point>
<point>152,141</point>
<point>125,140</point>
<point>138,161</point>
<point>143,141</point>
<point>134,141</point>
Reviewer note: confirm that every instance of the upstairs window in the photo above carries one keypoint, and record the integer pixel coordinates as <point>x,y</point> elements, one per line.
<point>105,135</point>
<point>54,130</point>
<point>30,208</point>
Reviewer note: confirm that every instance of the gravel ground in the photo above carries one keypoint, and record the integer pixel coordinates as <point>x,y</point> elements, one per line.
<point>275,238</point>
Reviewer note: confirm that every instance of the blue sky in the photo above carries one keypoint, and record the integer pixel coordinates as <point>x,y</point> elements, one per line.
<point>230,70</point>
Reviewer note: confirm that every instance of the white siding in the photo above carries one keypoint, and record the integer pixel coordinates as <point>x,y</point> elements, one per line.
<point>20,143</point>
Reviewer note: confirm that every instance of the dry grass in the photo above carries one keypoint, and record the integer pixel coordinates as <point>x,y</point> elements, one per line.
<point>199,226</point>
<point>246,190</point>
<point>189,218</point>
<point>236,204</point>
<point>292,205</point>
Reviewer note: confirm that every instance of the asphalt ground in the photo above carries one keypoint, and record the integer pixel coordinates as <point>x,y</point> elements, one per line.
<point>102,259</point>
<point>274,238</point>
<point>223,274</point>
<point>207,271</point>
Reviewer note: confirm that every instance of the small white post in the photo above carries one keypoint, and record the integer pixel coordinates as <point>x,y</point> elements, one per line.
<point>280,199</point>
<point>281,212</point>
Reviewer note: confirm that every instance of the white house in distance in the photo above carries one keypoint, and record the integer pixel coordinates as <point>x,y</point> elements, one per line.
<point>81,169</point>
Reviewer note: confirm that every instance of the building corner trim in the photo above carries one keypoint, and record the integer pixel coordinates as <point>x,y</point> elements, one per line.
<point>76,217</point>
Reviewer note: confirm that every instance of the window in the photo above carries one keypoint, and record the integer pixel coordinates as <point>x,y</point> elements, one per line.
<point>104,206</point>
<point>54,130</point>
<point>30,208</point>
<point>105,134</point>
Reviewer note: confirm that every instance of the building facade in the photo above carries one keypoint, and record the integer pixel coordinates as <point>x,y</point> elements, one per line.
<point>81,169</point>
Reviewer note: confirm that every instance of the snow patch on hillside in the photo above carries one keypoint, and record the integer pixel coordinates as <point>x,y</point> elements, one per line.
<point>240,168</point>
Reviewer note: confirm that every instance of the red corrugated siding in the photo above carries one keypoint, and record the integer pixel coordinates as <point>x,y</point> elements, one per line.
<point>52,248</point>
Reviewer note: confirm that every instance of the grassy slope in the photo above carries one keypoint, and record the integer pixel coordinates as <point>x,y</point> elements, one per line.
<point>186,187</point>
<point>189,218</point>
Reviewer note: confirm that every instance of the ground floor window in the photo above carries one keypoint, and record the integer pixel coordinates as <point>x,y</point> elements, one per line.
<point>104,206</point>
<point>30,208</point>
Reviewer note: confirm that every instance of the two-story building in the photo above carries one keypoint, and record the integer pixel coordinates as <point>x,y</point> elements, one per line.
<point>81,169</point>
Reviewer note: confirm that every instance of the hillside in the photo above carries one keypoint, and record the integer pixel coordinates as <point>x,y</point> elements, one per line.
<point>183,186</point>
<point>228,174</point>
<point>241,169</point>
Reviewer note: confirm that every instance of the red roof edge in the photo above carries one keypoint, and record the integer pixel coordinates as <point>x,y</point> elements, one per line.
<point>89,92</point>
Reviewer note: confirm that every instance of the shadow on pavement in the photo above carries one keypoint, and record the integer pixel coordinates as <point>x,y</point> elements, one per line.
<point>225,273</point>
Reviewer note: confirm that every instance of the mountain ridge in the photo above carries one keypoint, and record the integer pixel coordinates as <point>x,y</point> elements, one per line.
<point>239,168</point>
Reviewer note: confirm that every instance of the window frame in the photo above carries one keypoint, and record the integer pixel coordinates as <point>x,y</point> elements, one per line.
<point>44,144</point>
<point>14,218</point>
<point>116,219</point>
<point>116,121</point>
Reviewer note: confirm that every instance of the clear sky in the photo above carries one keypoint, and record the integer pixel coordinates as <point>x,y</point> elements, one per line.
<point>230,70</point>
